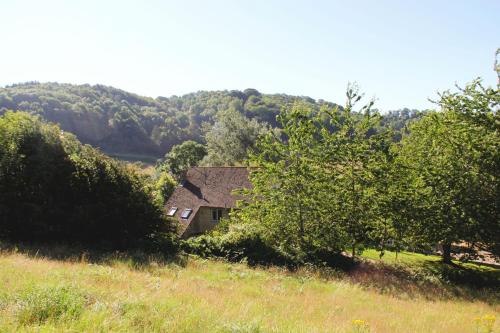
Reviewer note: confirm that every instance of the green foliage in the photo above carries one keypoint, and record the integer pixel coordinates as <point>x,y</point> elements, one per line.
<point>397,120</point>
<point>165,186</point>
<point>239,243</point>
<point>231,137</point>
<point>477,111</point>
<point>122,123</point>
<point>335,179</point>
<point>314,187</point>
<point>452,162</point>
<point>184,156</point>
<point>284,191</point>
<point>54,189</point>
<point>353,161</point>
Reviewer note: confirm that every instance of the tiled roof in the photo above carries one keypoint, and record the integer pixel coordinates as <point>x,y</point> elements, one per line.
<point>207,187</point>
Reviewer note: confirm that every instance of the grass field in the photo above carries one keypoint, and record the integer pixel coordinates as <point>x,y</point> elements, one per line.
<point>412,258</point>
<point>132,158</point>
<point>121,294</point>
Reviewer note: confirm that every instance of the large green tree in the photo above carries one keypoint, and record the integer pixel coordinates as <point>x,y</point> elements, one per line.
<point>452,158</point>
<point>284,200</point>
<point>230,138</point>
<point>184,156</point>
<point>353,157</point>
<point>476,109</point>
<point>314,186</point>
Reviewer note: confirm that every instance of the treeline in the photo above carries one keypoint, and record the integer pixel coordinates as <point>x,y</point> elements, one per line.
<point>53,189</point>
<point>119,122</point>
<point>336,180</point>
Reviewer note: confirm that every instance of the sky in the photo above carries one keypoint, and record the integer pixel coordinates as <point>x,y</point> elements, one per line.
<point>399,52</point>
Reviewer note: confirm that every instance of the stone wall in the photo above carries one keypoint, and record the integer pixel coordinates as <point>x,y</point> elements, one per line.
<point>203,222</point>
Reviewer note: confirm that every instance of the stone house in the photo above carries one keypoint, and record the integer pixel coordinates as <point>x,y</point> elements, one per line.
<point>205,196</point>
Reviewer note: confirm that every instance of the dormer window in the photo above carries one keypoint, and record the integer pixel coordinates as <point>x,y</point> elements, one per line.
<point>185,214</point>
<point>172,211</point>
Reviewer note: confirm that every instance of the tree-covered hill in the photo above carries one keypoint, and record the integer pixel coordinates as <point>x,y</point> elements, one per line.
<point>120,122</point>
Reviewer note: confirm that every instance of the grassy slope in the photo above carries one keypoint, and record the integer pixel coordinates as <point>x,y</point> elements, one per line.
<point>208,296</point>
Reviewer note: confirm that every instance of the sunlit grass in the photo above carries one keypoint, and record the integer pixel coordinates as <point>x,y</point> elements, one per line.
<point>402,257</point>
<point>411,258</point>
<point>211,296</point>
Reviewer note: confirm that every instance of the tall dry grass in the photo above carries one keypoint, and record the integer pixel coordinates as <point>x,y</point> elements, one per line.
<point>117,295</point>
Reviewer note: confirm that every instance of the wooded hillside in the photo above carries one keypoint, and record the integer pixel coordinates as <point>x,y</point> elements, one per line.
<point>120,122</point>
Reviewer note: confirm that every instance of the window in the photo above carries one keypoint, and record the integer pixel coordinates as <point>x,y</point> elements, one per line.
<point>185,214</point>
<point>216,215</point>
<point>172,211</point>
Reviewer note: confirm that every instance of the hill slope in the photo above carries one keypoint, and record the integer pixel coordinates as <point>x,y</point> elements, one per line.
<point>121,295</point>
<point>120,122</point>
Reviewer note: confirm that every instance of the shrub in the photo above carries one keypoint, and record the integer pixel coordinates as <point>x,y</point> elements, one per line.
<point>164,186</point>
<point>244,242</point>
<point>54,189</point>
<point>239,243</point>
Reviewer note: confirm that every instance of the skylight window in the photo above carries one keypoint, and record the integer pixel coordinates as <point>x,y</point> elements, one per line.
<point>185,214</point>
<point>172,211</point>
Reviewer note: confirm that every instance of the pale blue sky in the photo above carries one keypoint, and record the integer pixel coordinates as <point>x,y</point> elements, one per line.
<point>401,52</point>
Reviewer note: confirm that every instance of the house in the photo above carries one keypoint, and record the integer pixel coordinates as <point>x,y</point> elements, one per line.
<point>204,196</point>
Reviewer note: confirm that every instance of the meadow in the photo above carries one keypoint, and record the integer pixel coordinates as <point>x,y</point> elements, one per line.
<point>53,291</point>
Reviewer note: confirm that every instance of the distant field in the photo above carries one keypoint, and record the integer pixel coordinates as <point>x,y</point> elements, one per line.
<point>144,164</point>
<point>122,295</point>
<point>146,159</point>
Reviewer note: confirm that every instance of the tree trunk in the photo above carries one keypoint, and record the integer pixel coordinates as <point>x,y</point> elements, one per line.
<point>447,253</point>
<point>301,228</point>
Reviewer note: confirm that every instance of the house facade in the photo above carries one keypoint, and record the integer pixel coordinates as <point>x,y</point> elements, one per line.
<point>205,196</point>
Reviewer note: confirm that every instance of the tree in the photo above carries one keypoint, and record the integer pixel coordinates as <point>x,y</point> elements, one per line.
<point>230,138</point>
<point>284,200</point>
<point>456,197</point>
<point>352,160</point>
<point>314,186</point>
<point>396,207</point>
<point>184,156</point>
<point>475,110</point>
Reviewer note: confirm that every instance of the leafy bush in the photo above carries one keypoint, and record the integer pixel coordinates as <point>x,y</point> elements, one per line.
<point>53,189</point>
<point>240,243</point>
<point>244,242</point>
<point>165,186</point>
